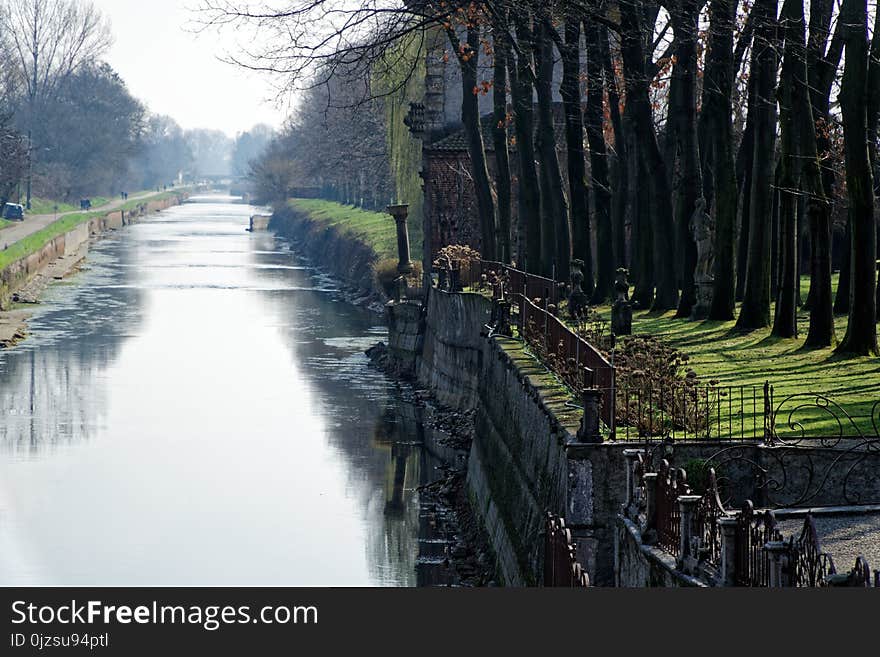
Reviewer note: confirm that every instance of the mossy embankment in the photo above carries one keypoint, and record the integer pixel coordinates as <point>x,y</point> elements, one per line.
<point>357,246</point>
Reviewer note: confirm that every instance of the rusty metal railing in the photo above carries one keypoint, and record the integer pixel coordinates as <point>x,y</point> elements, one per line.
<point>561,567</point>
<point>574,360</point>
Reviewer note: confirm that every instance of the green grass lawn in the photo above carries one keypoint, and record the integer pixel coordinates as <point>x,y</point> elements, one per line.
<point>376,229</point>
<point>718,352</point>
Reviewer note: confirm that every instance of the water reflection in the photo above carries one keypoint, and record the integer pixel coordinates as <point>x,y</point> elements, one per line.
<point>197,409</point>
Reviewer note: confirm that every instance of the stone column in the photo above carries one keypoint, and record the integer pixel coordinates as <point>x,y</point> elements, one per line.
<point>589,429</point>
<point>687,505</point>
<point>778,551</point>
<point>632,458</point>
<point>727,526</point>
<point>400,213</point>
<point>650,505</point>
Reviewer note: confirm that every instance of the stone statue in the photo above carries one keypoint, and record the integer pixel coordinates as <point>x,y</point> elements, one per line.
<point>703,231</point>
<point>621,310</point>
<point>577,300</point>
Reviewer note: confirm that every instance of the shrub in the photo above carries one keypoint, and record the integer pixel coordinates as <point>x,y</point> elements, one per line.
<point>386,274</point>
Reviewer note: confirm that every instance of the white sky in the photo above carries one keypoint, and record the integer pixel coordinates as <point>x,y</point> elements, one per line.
<point>177,72</point>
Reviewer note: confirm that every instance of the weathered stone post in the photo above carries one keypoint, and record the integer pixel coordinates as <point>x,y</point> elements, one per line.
<point>778,551</point>
<point>687,505</point>
<point>727,526</point>
<point>400,213</point>
<point>591,398</point>
<point>649,535</point>
<point>632,459</point>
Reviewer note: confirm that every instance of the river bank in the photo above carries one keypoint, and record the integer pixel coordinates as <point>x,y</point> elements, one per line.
<point>361,261</point>
<point>24,280</point>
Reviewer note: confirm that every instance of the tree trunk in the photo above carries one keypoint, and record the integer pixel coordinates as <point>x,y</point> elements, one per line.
<point>717,89</point>
<point>821,331</point>
<point>744,170</point>
<point>874,118</point>
<point>793,95</point>
<point>556,248</point>
<point>655,173</point>
<point>861,330</point>
<point>570,90</point>
<point>594,120</point>
<point>684,115</point>
<point>621,189</point>
<point>468,58</point>
<point>499,138</point>
<point>528,189</point>
<point>755,309</point>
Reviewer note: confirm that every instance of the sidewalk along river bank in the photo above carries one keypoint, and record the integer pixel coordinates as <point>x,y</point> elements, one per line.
<point>56,250</point>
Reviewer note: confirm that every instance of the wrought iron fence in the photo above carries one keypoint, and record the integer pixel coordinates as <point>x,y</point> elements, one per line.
<point>690,411</point>
<point>670,483</point>
<point>753,532</point>
<point>574,360</point>
<point>561,567</point>
<point>809,565</point>
<point>709,511</point>
<point>635,406</point>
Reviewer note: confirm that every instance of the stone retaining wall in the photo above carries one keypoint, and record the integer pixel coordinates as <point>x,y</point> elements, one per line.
<point>450,359</point>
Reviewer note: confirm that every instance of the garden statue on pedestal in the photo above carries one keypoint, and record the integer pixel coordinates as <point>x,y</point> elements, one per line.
<point>703,232</point>
<point>577,300</point>
<point>621,310</point>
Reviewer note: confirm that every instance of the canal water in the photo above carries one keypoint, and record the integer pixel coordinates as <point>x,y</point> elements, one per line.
<point>195,408</point>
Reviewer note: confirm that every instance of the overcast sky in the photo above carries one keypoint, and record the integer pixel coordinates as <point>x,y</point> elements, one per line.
<point>176,72</point>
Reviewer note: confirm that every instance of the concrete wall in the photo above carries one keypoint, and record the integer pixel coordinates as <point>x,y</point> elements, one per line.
<point>450,358</point>
<point>405,335</point>
<point>525,459</point>
<point>517,469</point>
<point>640,565</point>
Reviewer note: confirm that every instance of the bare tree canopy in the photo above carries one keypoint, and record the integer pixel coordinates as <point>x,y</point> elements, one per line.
<point>50,39</point>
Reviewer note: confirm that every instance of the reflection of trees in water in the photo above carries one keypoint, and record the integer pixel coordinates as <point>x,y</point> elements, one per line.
<point>376,434</point>
<point>52,387</point>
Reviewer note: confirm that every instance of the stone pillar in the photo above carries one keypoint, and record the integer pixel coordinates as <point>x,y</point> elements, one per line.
<point>650,507</point>
<point>687,505</point>
<point>727,526</point>
<point>400,213</point>
<point>589,429</point>
<point>632,458</point>
<point>778,551</point>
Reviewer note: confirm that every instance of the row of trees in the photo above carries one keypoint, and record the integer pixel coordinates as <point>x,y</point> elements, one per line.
<point>764,118</point>
<point>69,127</point>
<point>334,145</point>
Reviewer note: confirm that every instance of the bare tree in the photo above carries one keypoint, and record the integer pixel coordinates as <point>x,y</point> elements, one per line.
<point>49,41</point>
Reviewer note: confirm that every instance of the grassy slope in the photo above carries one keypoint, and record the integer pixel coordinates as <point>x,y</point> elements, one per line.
<point>732,358</point>
<point>376,229</point>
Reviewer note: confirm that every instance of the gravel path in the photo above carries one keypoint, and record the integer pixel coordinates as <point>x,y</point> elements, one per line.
<point>844,537</point>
